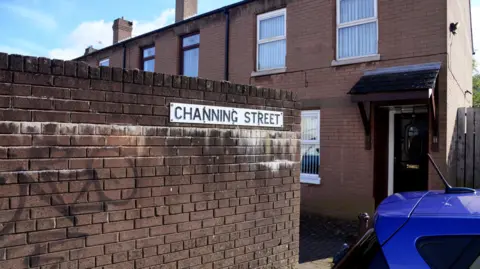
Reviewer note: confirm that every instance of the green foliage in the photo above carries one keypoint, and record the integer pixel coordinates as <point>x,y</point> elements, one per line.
<point>476,85</point>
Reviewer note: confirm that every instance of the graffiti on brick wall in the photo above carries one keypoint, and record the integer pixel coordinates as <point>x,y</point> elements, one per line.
<point>89,175</point>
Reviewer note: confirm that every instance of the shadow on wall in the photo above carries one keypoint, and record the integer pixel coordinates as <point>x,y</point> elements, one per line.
<point>456,139</point>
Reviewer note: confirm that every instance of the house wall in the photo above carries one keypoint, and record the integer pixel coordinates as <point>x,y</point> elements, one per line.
<point>459,71</point>
<point>94,175</point>
<point>410,32</point>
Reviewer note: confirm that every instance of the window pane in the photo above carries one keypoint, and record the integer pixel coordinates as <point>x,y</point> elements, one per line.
<point>149,65</point>
<point>310,128</point>
<point>105,62</point>
<point>310,159</point>
<point>352,10</point>
<point>272,27</point>
<point>359,40</point>
<point>367,253</point>
<point>310,148</point>
<point>272,55</point>
<point>190,62</point>
<point>460,251</point>
<point>191,40</point>
<point>149,52</point>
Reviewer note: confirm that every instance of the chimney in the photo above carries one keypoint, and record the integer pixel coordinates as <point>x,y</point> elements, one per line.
<point>89,50</point>
<point>185,9</point>
<point>122,29</point>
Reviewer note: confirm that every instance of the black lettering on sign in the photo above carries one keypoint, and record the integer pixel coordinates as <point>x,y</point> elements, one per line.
<point>266,118</point>
<point>177,112</point>
<point>226,115</point>
<point>197,114</point>
<point>215,116</point>
<point>234,116</point>
<point>206,114</point>
<point>271,119</point>
<point>185,113</point>
<point>277,118</point>
<point>254,116</point>
<point>247,117</point>
<point>260,118</point>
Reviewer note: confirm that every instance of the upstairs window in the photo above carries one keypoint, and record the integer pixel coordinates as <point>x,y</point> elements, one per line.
<point>357,28</point>
<point>190,55</point>
<point>104,62</point>
<point>148,59</point>
<point>271,40</point>
<point>310,147</point>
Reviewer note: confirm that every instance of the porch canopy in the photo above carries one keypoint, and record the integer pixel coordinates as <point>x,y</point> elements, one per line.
<point>401,83</point>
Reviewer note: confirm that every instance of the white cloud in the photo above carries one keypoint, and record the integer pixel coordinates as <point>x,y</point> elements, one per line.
<point>13,50</point>
<point>39,18</point>
<point>99,34</point>
<point>166,17</point>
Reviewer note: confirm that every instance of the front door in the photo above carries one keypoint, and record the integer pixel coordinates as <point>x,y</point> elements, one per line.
<point>410,152</point>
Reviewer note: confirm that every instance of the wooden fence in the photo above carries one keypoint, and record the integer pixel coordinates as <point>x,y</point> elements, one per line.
<point>467,149</point>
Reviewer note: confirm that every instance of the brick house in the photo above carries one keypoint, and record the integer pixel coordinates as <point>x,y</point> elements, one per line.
<point>380,82</point>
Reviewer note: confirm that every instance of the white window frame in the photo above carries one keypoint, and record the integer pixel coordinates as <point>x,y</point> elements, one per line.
<point>103,61</point>
<point>266,16</point>
<point>311,178</point>
<point>355,23</point>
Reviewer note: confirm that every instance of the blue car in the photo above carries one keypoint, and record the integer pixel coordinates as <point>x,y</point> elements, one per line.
<point>431,229</point>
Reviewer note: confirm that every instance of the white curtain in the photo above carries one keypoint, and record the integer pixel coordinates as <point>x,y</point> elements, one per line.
<point>272,27</point>
<point>271,53</point>
<point>358,40</point>
<point>352,10</point>
<point>190,62</point>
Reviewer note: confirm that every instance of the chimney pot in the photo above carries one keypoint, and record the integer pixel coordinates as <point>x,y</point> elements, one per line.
<point>122,29</point>
<point>185,9</point>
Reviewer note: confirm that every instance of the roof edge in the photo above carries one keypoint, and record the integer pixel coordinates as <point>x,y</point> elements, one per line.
<point>206,14</point>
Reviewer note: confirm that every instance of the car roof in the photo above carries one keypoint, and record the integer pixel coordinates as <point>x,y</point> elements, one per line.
<point>438,203</point>
<point>396,209</point>
<point>431,203</point>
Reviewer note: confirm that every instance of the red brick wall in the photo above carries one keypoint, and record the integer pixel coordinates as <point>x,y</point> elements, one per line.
<point>410,32</point>
<point>93,175</point>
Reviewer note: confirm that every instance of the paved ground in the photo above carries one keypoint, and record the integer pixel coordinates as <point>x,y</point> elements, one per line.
<point>320,239</point>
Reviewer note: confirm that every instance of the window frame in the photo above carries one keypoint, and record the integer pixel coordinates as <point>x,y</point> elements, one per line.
<point>104,60</point>
<point>311,178</point>
<point>265,16</point>
<point>187,48</point>
<point>340,25</point>
<point>145,59</point>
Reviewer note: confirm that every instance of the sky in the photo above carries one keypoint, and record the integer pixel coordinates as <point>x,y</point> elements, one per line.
<point>62,29</point>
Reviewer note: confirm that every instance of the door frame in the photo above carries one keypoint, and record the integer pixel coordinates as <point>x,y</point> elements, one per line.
<point>391,139</point>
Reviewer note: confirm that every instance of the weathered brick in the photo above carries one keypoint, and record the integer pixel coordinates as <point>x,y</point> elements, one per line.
<point>45,236</point>
<point>101,239</point>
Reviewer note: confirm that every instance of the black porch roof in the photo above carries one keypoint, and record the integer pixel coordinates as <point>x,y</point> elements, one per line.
<point>395,79</point>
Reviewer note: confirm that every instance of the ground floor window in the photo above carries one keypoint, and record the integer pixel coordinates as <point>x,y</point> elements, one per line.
<point>310,147</point>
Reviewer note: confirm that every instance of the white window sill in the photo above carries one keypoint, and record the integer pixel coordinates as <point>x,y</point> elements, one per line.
<point>310,179</point>
<point>356,60</point>
<point>268,72</point>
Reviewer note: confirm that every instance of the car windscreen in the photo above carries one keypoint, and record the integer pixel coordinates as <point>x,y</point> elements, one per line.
<point>366,254</point>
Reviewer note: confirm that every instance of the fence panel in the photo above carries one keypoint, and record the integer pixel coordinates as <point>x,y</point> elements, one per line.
<point>476,156</point>
<point>460,158</point>
<point>469,148</point>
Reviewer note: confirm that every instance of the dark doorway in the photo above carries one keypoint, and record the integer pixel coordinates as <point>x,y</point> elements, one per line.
<point>410,152</point>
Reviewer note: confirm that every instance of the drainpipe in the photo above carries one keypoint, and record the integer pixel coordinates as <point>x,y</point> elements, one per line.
<point>227,42</point>
<point>124,56</point>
